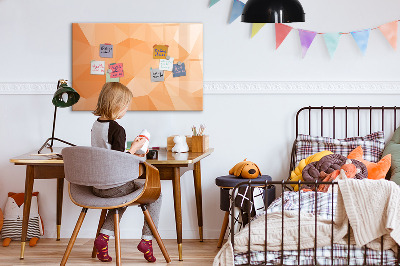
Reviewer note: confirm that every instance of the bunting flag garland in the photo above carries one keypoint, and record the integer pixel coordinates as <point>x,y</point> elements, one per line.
<point>361,37</point>
<point>281,31</point>
<point>256,27</point>
<point>332,41</point>
<point>237,9</point>
<point>213,2</point>
<point>389,30</point>
<point>306,39</point>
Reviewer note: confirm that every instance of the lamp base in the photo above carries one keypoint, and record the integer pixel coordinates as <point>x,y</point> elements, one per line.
<point>50,146</point>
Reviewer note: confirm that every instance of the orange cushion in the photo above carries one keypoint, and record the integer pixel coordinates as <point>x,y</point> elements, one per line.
<point>375,170</point>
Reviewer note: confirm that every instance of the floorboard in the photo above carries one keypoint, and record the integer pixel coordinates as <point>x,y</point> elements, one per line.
<point>50,252</point>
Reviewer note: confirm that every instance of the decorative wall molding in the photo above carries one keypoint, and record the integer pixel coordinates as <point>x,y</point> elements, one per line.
<point>28,88</point>
<point>302,87</point>
<point>244,87</point>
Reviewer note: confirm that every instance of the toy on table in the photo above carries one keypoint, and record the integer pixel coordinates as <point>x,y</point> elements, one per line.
<point>180,144</point>
<point>13,215</point>
<point>245,169</point>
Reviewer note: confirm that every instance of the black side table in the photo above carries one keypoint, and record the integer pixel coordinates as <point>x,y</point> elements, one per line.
<point>226,183</point>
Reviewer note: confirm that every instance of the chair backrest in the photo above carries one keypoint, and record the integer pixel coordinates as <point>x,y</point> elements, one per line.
<point>92,166</point>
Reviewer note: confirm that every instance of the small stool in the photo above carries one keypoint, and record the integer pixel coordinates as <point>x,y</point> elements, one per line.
<point>226,183</point>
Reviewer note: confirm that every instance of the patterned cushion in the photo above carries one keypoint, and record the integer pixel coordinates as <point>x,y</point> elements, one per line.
<point>372,144</point>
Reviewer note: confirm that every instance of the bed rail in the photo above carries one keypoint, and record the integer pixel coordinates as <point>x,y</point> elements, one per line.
<point>265,185</point>
<point>343,118</point>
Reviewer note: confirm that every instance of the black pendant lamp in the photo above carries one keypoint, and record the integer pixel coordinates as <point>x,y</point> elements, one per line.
<point>273,11</point>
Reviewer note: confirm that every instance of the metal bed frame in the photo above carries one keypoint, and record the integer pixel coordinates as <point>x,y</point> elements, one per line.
<point>283,184</point>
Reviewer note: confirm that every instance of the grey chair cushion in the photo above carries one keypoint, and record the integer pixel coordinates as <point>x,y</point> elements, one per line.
<point>99,167</point>
<point>83,196</point>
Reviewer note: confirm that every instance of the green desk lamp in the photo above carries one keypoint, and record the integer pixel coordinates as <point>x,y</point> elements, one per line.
<point>64,97</point>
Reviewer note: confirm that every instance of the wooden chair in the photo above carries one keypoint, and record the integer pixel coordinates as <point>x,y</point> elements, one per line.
<point>85,167</point>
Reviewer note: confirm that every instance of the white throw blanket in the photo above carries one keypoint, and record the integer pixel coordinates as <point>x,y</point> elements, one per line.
<point>373,208</point>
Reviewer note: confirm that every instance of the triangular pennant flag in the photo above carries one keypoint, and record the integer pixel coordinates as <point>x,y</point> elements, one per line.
<point>256,28</point>
<point>281,31</point>
<point>332,41</point>
<point>306,39</point>
<point>361,37</point>
<point>213,2</point>
<point>237,9</point>
<point>390,32</point>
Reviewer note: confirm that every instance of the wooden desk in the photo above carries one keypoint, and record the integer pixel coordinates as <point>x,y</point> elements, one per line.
<point>171,167</point>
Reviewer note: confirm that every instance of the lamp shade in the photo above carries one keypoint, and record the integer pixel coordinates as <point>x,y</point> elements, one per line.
<point>273,11</point>
<point>65,96</point>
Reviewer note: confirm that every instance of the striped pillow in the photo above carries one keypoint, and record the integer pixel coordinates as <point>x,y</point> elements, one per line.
<point>372,145</point>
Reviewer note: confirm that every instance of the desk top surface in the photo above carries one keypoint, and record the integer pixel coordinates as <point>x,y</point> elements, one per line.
<point>164,157</point>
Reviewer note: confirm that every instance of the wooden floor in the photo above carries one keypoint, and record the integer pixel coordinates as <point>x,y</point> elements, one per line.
<point>50,252</point>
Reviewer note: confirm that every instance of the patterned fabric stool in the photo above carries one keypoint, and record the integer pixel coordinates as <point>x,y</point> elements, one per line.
<point>226,183</point>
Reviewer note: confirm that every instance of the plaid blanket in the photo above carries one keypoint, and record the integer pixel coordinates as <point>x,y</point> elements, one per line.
<point>340,254</point>
<point>323,205</point>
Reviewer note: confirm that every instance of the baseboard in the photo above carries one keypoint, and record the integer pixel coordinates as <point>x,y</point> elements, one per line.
<point>245,87</point>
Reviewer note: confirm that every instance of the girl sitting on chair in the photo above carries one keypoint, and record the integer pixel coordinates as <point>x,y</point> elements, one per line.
<point>113,102</point>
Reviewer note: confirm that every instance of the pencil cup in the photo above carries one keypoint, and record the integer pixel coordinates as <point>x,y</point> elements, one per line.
<point>200,143</point>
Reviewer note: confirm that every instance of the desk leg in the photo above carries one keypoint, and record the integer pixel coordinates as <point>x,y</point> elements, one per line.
<point>199,204</point>
<point>176,182</point>
<point>60,190</point>
<point>27,206</point>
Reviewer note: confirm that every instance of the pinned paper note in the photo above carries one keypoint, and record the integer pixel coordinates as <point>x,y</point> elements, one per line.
<point>156,75</point>
<point>167,64</point>
<point>97,67</point>
<point>160,51</point>
<point>179,70</point>
<point>106,50</point>
<point>117,70</point>
<point>110,79</point>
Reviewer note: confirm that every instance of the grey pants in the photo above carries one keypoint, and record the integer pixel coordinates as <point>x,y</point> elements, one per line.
<point>154,208</point>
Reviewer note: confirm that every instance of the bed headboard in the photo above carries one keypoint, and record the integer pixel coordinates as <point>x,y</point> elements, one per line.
<point>344,121</point>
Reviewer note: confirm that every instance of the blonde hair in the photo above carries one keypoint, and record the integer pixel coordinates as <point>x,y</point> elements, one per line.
<point>113,97</point>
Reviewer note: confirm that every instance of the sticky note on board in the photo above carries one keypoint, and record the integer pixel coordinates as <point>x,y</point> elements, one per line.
<point>156,75</point>
<point>109,79</point>
<point>167,64</point>
<point>117,70</point>
<point>106,50</point>
<point>97,67</point>
<point>179,70</point>
<point>160,51</point>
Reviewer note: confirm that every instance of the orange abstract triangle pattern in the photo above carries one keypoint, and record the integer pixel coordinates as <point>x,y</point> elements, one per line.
<point>133,46</point>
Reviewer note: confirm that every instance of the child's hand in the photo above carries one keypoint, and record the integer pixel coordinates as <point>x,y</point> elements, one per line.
<point>137,144</point>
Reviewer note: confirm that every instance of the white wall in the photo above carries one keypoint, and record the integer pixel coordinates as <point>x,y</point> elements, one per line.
<point>35,40</point>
